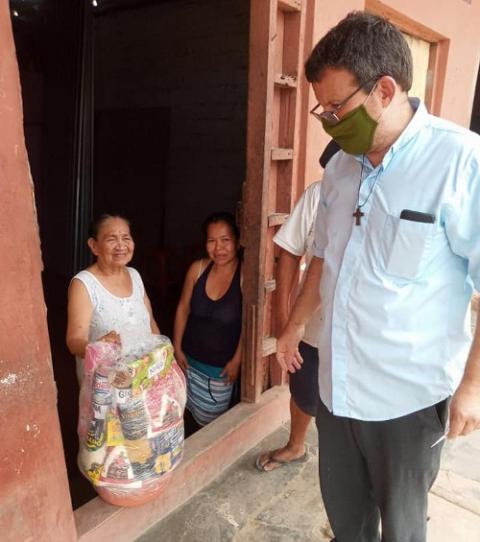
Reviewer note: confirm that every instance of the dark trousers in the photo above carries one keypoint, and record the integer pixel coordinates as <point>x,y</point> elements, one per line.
<point>372,471</point>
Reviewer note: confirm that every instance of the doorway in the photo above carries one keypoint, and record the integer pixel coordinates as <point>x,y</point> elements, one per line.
<point>130,173</point>
<point>162,142</point>
<point>475,120</point>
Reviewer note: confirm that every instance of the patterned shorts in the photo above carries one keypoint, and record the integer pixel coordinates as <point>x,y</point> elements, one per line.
<point>207,397</point>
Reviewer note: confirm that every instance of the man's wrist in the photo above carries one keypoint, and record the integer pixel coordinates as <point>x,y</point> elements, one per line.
<point>296,323</point>
<point>470,384</point>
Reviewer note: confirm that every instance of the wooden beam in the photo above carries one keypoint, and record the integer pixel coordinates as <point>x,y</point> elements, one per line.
<point>403,22</point>
<point>282,154</point>
<point>269,346</point>
<point>285,81</point>
<point>263,41</point>
<point>277,219</point>
<point>270,285</point>
<point>290,6</point>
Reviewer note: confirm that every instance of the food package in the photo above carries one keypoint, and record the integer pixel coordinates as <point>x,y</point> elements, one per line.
<point>130,425</point>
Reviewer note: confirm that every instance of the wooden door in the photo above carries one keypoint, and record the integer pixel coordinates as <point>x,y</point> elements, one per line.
<point>276,91</point>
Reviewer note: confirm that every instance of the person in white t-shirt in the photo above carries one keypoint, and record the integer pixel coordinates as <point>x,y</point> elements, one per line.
<point>295,238</point>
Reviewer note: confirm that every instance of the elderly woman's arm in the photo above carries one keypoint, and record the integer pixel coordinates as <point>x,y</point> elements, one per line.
<point>153,325</point>
<point>183,311</point>
<point>79,317</point>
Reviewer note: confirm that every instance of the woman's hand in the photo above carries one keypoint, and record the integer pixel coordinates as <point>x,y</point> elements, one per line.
<point>181,359</point>
<point>111,337</point>
<point>231,370</point>
<point>182,313</point>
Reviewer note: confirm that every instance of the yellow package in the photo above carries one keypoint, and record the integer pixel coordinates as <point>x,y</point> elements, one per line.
<point>114,431</point>
<point>163,463</point>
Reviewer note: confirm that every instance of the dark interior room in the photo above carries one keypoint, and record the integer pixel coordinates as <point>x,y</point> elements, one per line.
<point>134,107</point>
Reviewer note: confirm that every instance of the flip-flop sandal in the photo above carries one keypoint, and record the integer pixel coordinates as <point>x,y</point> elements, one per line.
<point>280,462</point>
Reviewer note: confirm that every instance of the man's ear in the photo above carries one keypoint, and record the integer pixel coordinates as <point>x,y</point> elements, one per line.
<point>92,245</point>
<point>386,89</point>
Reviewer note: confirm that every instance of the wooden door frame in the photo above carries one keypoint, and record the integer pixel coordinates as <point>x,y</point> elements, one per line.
<point>276,131</point>
<point>439,45</point>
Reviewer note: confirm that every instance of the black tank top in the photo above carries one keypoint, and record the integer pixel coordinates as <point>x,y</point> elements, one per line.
<point>213,327</point>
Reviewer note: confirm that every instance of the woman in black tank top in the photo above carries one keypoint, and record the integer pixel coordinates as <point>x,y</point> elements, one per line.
<point>208,321</point>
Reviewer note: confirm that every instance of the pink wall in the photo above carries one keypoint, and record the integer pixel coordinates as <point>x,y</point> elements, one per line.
<point>327,15</point>
<point>457,22</point>
<point>34,497</point>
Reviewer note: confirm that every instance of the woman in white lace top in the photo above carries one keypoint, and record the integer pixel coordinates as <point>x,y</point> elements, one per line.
<point>108,297</point>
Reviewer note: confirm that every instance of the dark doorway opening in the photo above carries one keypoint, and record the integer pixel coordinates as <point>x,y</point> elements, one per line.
<point>475,120</point>
<point>131,150</point>
<point>135,106</point>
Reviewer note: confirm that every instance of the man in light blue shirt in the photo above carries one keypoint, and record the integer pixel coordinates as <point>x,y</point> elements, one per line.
<point>397,254</point>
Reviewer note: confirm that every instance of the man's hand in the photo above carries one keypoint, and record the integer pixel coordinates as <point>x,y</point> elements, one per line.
<point>307,302</point>
<point>231,370</point>
<point>464,411</point>
<point>288,356</point>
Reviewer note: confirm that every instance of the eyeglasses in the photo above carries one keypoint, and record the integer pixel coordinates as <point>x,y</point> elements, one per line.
<point>331,117</point>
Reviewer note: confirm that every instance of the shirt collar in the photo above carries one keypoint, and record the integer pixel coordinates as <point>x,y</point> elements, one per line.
<point>417,122</point>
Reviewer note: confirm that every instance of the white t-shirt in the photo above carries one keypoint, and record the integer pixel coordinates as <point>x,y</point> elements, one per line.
<point>296,236</point>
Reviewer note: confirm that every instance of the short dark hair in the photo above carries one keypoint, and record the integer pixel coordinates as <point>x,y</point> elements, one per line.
<point>228,218</point>
<point>98,222</point>
<point>366,45</point>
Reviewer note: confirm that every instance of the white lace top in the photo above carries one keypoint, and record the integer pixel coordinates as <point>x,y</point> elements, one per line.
<point>112,313</point>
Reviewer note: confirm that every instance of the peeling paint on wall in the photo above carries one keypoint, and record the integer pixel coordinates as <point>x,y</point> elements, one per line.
<point>8,380</point>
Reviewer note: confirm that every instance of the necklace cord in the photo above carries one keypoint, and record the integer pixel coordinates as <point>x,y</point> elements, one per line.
<point>360,205</point>
<point>360,182</point>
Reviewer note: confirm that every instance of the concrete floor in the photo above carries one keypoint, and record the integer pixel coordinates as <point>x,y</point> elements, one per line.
<point>244,505</point>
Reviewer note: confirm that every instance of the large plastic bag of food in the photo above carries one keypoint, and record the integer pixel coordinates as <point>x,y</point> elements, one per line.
<point>130,425</point>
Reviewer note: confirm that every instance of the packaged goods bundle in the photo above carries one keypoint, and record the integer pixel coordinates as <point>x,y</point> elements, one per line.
<point>131,419</point>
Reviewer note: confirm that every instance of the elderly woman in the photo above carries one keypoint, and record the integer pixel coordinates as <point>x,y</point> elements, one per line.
<point>208,321</point>
<point>108,296</point>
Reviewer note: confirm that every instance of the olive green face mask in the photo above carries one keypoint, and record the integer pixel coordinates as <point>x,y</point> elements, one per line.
<point>354,133</point>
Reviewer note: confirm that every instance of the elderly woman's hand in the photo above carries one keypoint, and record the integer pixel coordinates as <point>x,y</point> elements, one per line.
<point>111,337</point>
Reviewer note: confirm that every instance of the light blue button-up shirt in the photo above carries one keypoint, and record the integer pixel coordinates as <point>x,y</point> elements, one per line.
<point>395,329</point>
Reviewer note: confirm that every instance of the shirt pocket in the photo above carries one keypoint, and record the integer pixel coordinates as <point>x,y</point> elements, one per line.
<point>407,246</point>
